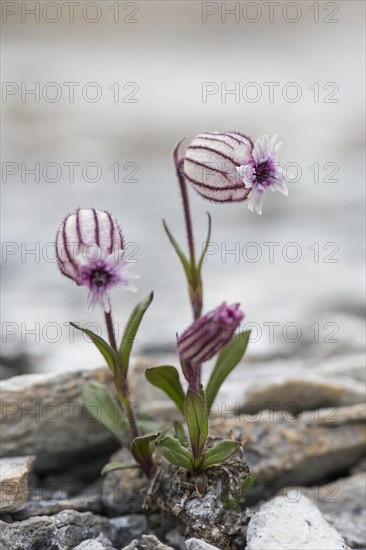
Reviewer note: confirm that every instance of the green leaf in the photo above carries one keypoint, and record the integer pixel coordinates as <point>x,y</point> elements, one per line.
<point>118,466</point>
<point>130,331</point>
<point>141,448</point>
<point>197,421</point>
<point>175,452</point>
<point>229,357</point>
<point>167,379</point>
<point>188,269</point>
<point>204,251</point>
<point>102,406</point>
<point>180,434</point>
<point>246,485</point>
<point>105,349</point>
<point>219,453</point>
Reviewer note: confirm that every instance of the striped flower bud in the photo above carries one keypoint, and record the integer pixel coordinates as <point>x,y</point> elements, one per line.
<point>209,334</point>
<point>89,250</point>
<point>228,167</point>
<point>211,165</point>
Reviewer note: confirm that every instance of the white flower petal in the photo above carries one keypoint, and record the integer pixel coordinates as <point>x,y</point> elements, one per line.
<point>98,297</point>
<point>278,146</point>
<point>104,301</point>
<point>89,304</point>
<point>130,287</point>
<point>280,186</point>
<point>255,200</point>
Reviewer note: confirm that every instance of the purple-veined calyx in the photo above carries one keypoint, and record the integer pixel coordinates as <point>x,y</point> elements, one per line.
<point>206,336</point>
<point>90,251</point>
<point>229,167</point>
<point>211,165</point>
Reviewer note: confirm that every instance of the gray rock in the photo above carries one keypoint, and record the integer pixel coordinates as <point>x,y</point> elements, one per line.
<point>350,366</point>
<point>64,530</point>
<point>306,392</point>
<point>134,545</point>
<point>283,524</point>
<point>100,543</point>
<point>281,449</point>
<point>359,467</point>
<point>196,544</point>
<point>175,537</point>
<point>123,491</point>
<point>51,507</point>
<point>153,543</point>
<point>14,482</point>
<point>149,542</point>
<point>343,505</point>
<point>129,527</point>
<point>43,414</point>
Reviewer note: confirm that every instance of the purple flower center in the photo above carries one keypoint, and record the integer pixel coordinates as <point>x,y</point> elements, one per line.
<point>99,277</point>
<point>264,173</point>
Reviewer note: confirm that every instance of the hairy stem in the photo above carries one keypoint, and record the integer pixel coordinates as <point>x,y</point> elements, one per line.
<point>196,293</point>
<point>110,329</point>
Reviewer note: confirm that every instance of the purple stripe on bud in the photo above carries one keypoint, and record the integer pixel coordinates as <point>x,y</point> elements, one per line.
<point>86,235</point>
<point>211,165</point>
<point>89,250</point>
<point>209,334</point>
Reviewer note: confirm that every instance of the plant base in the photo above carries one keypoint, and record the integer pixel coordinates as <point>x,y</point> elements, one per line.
<point>218,517</point>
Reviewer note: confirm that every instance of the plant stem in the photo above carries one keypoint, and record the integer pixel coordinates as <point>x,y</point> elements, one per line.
<point>196,293</point>
<point>110,329</point>
<point>121,380</point>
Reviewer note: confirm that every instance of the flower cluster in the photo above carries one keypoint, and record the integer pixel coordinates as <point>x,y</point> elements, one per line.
<point>222,167</point>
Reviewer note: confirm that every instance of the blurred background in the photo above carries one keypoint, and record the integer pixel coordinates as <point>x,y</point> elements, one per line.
<point>139,73</point>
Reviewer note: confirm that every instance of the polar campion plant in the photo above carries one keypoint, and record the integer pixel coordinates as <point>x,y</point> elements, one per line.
<point>222,167</point>
<point>90,252</point>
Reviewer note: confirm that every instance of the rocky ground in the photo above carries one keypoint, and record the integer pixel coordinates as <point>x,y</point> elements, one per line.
<point>305,444</point>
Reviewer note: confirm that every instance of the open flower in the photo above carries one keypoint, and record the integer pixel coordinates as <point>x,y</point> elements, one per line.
<point>209,334</point>
<point>262,172</point>
<point>89,250</point>
<point>211,165</point>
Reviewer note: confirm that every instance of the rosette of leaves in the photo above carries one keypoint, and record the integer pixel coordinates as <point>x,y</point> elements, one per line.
<point>190,451</point>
